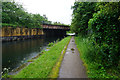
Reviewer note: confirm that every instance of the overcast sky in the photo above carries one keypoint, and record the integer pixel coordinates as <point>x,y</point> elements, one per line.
<point>55,10</point>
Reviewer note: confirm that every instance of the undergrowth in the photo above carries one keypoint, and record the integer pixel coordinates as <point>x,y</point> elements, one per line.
<point>89,53</point>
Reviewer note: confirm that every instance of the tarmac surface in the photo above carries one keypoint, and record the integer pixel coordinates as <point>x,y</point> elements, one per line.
<point>72,65</point>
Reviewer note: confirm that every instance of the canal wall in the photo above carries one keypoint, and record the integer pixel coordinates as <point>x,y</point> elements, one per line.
<point>19,33</point>
<point>9,33</point>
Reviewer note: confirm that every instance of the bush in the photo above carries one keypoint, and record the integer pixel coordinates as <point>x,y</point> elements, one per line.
<point>105,27</point>
<point>92,56</point>
<point>100,24</point>
<point>50,44</point>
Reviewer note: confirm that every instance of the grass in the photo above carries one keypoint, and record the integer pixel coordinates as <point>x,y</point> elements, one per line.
<point>43,66</point>
<point>55,71</point>
<point>89,56</point>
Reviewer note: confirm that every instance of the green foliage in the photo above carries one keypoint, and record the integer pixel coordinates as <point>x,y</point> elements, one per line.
<point>6,75</point>
<point>53,43</point>
<point>82,12</point>
<point>14,13</point>
<point>69,32</point>
<point>58,23</point>
<point>50,44</point>
<point>101,21</point>
<point>42,66</point>
<point>8,25</point>
<point>105,27</point>
<point>92,58</point>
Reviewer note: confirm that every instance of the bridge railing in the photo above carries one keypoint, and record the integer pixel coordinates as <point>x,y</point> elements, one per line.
<point>55,27</point>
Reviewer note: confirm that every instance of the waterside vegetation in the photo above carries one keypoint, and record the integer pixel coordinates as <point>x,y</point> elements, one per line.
<point>44,65</point>
<point>97,26</point>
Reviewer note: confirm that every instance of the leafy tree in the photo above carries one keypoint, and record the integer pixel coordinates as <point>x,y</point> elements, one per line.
<point>106,28</point>
<point>82,12</point>
<point>102,21</point>
<point>13,13</point>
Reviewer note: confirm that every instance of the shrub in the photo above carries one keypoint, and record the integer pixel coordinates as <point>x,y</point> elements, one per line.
<point>50,44</point>
<point>105,27</point>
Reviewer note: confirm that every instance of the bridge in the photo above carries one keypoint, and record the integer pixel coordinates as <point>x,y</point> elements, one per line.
<point>10,33</point>
<point>55,30</point>
<point>49,26</point>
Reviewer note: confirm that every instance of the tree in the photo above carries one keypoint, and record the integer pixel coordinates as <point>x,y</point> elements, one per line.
<point>13,13</point>
<point>82,12</point>
<point>105,25</point>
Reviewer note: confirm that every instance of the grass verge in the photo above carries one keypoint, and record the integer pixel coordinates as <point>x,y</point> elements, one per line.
<point>89,56</point>
<point>55,71</point>
<point>42,66</point>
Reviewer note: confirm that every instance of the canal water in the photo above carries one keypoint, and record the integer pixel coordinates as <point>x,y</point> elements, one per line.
<point>18,52</point>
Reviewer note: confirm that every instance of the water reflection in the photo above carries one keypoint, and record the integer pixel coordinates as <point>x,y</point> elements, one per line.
<point>16,53</point>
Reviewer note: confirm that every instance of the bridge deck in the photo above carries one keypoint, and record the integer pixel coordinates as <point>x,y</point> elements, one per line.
<point>55,27</point>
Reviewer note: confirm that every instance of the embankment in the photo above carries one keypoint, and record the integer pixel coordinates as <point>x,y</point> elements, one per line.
<point>42,66</point>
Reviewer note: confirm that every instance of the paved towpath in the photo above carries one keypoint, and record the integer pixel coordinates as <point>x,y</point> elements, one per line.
<point>72,66</point>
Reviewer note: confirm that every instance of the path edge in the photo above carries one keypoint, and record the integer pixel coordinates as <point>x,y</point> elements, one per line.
<point>55,71</point>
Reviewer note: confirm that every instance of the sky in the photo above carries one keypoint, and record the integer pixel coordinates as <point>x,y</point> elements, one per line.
<point>55,10</point>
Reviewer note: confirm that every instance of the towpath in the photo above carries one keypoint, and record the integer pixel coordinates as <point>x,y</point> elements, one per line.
<point>72,66</point>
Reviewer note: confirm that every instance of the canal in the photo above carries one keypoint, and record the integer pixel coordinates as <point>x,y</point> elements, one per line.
<point>18,52</point>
